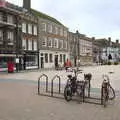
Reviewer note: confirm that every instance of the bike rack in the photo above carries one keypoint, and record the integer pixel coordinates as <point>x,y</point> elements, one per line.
<point>43,75</point>
<point>51,93</point>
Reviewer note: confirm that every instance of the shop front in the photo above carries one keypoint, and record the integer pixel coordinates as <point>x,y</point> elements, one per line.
<point>30,61</point>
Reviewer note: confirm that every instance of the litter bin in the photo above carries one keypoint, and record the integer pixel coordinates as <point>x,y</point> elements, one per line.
<point>10,66</point>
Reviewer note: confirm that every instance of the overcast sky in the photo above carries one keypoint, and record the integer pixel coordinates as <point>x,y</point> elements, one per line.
<point>98,18</point>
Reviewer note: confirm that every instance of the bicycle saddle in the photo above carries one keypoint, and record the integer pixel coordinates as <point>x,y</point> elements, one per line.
<point>69,76</point>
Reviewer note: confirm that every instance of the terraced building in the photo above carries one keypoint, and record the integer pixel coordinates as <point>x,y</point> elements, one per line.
<point>53,41</point>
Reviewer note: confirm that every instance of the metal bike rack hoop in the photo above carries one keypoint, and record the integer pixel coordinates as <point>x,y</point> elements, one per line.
<point>56,76</point>
<point>43,75</point>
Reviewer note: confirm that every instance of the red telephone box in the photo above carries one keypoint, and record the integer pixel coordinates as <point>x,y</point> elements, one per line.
<point>10,67</point>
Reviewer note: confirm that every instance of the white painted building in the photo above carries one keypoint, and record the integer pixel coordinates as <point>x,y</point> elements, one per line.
<point>114,52</point>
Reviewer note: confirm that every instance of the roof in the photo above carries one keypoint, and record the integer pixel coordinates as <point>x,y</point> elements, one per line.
<point>44,16</point>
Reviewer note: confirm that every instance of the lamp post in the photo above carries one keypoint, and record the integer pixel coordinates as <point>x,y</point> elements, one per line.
<point>78,48</point>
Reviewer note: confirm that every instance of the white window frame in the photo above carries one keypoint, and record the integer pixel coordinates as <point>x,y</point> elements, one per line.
<point>24,27</point>
<point>44,26</point>
<point>65,33</point>
<point>30,28</point>
<point>44,41</point>
<point>65,42</point>
<point>35,44</point>
<point>10,19</point>
<point>56,30</point>
<point>29,44</point>
<point>35,30</point>
<point>61,43</point>
<point>49,40</point>
<point>24,44</point>
<point>10,37</point>
<point>55,43</point>
<point>50,28</point>
<point>61,31</point>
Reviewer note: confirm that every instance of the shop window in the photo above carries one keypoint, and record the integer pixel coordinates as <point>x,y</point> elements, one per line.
<point>46,57</point>
<point>31,60</point>
<point>50,58</point>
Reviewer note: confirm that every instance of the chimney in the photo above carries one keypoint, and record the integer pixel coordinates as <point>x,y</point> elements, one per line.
<point>27,4</point>
<point>117,41</point>
<point>109,41</point>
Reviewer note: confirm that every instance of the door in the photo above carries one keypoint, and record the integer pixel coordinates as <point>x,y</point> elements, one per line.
<point>56,61</point>
<point>42,62</point>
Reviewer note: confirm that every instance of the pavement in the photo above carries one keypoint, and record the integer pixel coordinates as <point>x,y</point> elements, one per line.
<point>19,99</point>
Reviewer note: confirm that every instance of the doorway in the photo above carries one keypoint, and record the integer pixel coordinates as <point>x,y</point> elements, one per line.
<point>42,62</point>
<point>56,61</point>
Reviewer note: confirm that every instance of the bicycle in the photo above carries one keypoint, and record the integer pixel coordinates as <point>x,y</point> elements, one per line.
<point>106,90</point>
<point>74,86</point>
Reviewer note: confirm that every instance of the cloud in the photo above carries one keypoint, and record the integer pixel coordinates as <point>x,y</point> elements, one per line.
<point>92,17</point>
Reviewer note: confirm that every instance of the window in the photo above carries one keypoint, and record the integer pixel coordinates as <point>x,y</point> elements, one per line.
<point>61,44</point>
<point>1,36</point>
<point>61,58</point>
<point>31,60</point>
<point>24,27</point>
<point>24,45</point>
<point>30,28</point>
<point>44,41</point>
<point>10,19</point>
<point>35,44</point>
<point>44,27</point>
<point>61,31</point>
<point>35,30</point>
<point>50,58</point>
<point>46,58</point>
<point>65,44</point>
<point>29,44</point>
<point>1,16</point>
<point>56,30</point>
<point>10,37</point>
<point>56,43</point>
<point>65,33</point>
<point>49,28</point>
<point>49,42</point>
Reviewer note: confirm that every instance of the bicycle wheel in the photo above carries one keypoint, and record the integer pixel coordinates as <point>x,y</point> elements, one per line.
<point>68,93</point>
<point>104,97</point>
